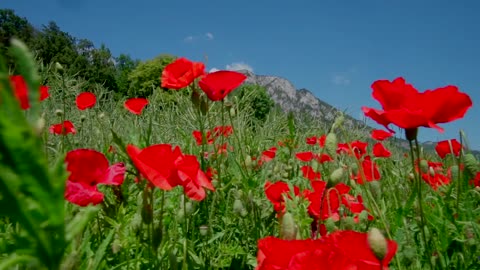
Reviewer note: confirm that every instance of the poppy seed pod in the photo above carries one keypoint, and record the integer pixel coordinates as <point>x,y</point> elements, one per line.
<point>331,144</point>
<point>288,228</point>
<point>378,243</point>
<point>83,118</point>
<point>58,112</point>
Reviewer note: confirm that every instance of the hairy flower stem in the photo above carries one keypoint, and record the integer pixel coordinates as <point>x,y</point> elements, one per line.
<point>185,228</point>
<point>418,186</point>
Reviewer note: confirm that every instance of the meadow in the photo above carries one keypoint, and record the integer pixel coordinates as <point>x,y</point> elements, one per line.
<point>190,179</point>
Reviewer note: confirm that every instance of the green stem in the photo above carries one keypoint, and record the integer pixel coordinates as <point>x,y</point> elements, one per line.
<point>418,186</point>
<point>185,228</point>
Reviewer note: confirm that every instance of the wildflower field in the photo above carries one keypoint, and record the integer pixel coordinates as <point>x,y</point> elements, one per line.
<point>195,182</point>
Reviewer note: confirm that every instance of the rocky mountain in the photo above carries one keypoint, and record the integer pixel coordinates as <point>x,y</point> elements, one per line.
<point>301,101</point>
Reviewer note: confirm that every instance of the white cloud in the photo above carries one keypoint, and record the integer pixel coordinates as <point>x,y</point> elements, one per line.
<point>209,36</point>
<point>239,66</point>
<point>189,38</point>
<point>213,70</point>
<point>340,79</point>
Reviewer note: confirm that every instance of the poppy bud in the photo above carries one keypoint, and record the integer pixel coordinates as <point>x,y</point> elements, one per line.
<point>376,188</point>
<point>116,246</point>
<point>203,230</point>
<point>136,222</point>
<point>39,126</point>
<point>354,168</point>
<point>147,213</point>
<point>338,121</point>
<point>285,175</point>
<point>454,171</point>
<point>204,106</point>
<point>288,227</point>
<point>331,144</point>
<point>411,176</point>
<point>195,98</point>
<point>232,112</point>
<point>238,207</point>
<point>83,118</point>
<point>378,243</point>
<point>58,67</point>
<point>424,166</point>
<point>102,115</point>
<point>471,163</point>
<point>248,161</point>
<point>189,208</point>
<point>432,171</point>
<point>58,112</point>
<point>336,176</point>
<point>180,216</point>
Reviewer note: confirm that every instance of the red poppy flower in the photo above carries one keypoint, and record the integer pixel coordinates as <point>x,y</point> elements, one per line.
<point>338,250</point>
<point>219,84</point>
<point>310,174</point>
<point>275,193</point>
<point>311,140</point>
<point>20,89</point>
<point>325,202</point>
<point>359,148</point>
<point>89,168</point>
<point>380,135</point>
<point>443,148</point>
<point>135,105</point>
<point>436,180</point>
<point>267,155</point>
<point>322,158</point>
<point>370,171</point>
<point>63,128</point>
<point>166,168</point>
<point>476,180</point>
<point>321,140</point>
<point>181,73</point>
<point>379,150</point>
<point>407,108</point>
<point>86,100</point>
<point>304,156</point>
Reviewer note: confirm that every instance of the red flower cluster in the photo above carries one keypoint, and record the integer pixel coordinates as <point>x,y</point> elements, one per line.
<point>63,128</point>
<point>212,135</point>
<point>342,250</point>
<point>405,107</point>
<point>89,168</point>
<point>166,167</point>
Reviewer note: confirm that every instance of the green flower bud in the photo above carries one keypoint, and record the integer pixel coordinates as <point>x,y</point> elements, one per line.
<point>288,228</point>
<point>378,243</point>
<point>116,246</point>
<point>58,112</point>
<point>203,230</point>
<point>337,175</point>
<point>424,166</point>
<point>189,208</point>
<point>331,144</point>
<point>238,207</point>
<point>248,161</point>
<point>232,112</point>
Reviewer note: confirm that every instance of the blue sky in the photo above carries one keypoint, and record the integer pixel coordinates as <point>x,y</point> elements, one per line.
<point>336,49</point>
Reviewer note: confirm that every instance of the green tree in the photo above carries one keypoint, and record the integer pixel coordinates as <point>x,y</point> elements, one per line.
<point>53,45</point>
<point>146,76</point>
<point>12,25</point>
<point>124,66</point>
<point>254,98</point>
